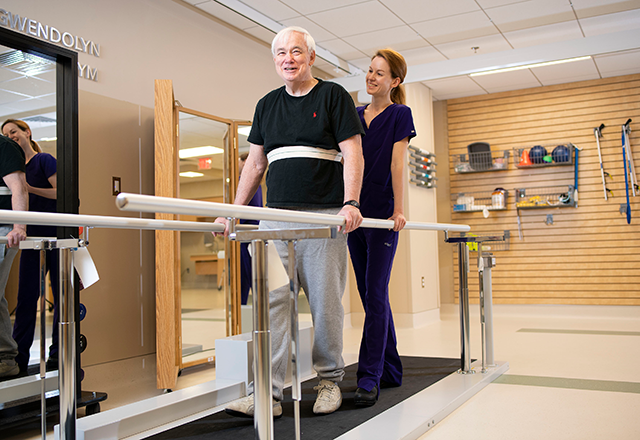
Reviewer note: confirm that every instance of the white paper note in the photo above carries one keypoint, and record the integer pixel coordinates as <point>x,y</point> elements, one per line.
<point>85,267</point>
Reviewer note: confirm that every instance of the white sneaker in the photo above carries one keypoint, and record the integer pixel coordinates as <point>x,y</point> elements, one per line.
<point>329,397</point>
<point>245,408</point>
<point>7,370</point>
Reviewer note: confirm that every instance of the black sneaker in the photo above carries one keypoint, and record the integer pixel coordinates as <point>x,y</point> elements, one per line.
<point>364,398</point>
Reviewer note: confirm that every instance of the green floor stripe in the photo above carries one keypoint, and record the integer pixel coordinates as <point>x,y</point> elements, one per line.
<point>573,384</point>
<point>578,332</point>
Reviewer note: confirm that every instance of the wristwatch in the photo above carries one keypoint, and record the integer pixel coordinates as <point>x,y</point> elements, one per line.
<point>352,203</point>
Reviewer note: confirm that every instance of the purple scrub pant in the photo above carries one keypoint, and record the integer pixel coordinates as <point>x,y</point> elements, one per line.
<point>372,252</point>
<point>245,273</point>
<point>26,310</point>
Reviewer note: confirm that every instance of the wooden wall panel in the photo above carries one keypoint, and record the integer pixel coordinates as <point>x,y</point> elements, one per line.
<point>590,255</point>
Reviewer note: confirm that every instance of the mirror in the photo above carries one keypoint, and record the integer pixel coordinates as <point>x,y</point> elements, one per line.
<point>203,141</point>
<point>28,93</point>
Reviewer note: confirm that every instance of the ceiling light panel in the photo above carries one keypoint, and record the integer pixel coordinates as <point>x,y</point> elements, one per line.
<point>191,174</point>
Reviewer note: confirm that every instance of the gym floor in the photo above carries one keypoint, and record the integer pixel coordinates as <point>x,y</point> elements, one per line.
<point>573,374</point>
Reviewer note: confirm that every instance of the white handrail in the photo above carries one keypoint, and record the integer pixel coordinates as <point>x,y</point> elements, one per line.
<point>143,203</point>
<point>101,221</point>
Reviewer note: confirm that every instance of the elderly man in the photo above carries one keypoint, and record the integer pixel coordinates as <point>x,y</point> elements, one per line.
<point>13,195</point>
<point>309,135</point>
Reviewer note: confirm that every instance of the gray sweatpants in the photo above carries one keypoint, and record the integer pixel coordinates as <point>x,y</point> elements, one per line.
<point>322,273</point>
<point>8,347</point>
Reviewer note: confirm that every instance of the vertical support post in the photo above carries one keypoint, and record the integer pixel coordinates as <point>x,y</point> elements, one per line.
<point>296,390</point>
<point>262,380</point>
<point>488,309</point>
<point>483,329</point>
<point>229,279</point>
<point>43,345</point>
<point>463,267</point>
<point>67,351</point>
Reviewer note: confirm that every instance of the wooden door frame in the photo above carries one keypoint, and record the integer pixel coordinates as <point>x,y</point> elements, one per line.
<point>168,291</point>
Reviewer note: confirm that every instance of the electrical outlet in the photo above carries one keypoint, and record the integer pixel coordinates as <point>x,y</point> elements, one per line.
<point>116,186</point>
<point>423,282</point>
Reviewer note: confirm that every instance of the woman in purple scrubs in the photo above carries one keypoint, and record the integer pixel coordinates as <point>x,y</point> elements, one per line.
<point>41,176</point>
<point>388,126</point>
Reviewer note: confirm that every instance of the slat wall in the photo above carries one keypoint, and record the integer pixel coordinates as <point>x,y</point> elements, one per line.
<point>590,255</point>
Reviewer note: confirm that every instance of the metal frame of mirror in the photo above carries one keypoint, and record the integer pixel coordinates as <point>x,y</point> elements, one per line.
<point>67,178</point>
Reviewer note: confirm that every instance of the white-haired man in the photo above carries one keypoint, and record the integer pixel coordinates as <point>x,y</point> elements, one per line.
<point>309,135</point>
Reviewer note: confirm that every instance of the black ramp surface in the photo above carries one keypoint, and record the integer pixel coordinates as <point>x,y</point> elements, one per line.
<point>419,373</point>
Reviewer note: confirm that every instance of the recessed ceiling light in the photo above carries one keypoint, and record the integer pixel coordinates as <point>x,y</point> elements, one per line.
<point>191,174</point>
<point>529,66</point>
<point>207,150</point>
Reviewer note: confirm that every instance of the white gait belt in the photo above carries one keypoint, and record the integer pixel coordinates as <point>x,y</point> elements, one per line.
<point>5,191</point>
<point>306,152</point>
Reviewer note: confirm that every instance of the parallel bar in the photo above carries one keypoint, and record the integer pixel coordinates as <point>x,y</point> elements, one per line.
<point>142,203</point>
<point>67,352</point>
<point>463,267</point>
<point>488,314</point>
<point>101,221</point>
<point>43,345</point>
<point>296,390</point>
<point>262,384</point>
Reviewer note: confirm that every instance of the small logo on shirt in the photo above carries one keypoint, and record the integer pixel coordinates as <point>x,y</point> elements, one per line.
<point>314,114</point>
<point>388,244</point>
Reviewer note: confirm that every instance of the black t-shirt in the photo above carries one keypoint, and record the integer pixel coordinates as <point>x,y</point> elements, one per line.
<point>11,160</point>
<point>322,118</point>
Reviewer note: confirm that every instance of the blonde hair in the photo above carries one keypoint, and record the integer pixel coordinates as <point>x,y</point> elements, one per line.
<point>398,67</point>
<point>24,127</point>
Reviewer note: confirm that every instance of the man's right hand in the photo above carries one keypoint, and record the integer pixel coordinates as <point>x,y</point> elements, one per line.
<point>225,222</point>
<point>15,236</point>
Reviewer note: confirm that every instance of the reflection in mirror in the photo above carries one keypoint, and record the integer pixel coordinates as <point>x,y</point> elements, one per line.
<point>28,93</point>
<point>202,145</point>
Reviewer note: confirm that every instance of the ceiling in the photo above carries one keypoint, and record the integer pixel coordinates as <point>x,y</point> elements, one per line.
<point>444,35</point>
<point>28,92</point>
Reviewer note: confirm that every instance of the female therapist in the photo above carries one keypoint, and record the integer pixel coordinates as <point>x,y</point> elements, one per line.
<point>388,126</point>
<point>41,184</point>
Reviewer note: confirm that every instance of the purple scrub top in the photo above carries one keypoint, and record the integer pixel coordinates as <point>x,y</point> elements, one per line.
<point>392,125</point>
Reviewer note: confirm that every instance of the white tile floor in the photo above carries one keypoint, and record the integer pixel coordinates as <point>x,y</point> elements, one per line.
<point>596,346</point>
